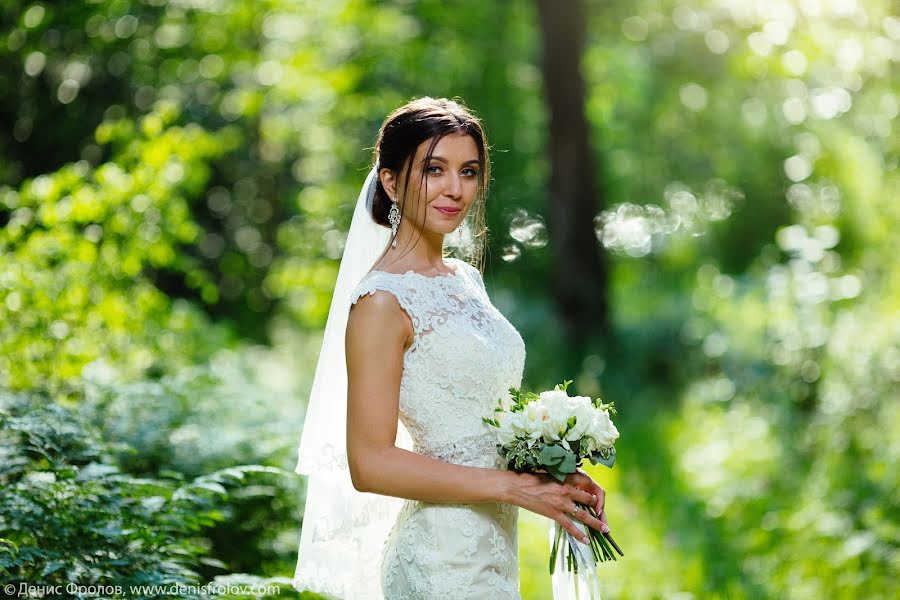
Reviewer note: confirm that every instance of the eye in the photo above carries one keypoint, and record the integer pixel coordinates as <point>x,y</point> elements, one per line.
<point>469,171</point>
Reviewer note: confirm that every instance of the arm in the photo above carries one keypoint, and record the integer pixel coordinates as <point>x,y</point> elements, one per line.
<point>378,332</point>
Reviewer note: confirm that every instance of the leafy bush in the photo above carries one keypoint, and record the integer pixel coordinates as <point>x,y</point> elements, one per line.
<point>69,517</point>
<point>792,425</point>
<point>234,410</point>
<point>79,253</point>
<point>141,384</point>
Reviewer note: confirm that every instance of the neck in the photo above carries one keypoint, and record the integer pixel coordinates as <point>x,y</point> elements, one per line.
<point>419,249</point>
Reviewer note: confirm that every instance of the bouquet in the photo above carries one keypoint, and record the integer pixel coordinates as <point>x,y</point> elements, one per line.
<point>553,432</point>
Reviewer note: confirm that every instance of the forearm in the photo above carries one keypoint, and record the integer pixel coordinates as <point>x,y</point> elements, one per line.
<point>404,474</point>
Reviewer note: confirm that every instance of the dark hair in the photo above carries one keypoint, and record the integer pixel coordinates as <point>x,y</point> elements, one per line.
<point>401,134</point>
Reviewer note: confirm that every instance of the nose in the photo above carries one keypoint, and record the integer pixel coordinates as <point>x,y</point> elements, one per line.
<point>454,186</point>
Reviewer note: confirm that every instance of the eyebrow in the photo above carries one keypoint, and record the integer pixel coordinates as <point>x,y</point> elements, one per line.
<point>444,160</point>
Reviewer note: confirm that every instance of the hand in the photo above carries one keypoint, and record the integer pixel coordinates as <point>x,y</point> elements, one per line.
<point>583,481</point>
<point>542,494</point>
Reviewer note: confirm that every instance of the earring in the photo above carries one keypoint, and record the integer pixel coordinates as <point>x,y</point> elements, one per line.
<point>394,218</point>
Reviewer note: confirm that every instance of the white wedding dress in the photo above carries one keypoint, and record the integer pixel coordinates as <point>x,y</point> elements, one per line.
<point>464,357</point>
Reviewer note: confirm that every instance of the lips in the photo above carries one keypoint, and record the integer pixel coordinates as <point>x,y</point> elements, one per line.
<point>450,212</point>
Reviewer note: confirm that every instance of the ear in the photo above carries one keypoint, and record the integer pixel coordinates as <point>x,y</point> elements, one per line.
<point>389,182</point>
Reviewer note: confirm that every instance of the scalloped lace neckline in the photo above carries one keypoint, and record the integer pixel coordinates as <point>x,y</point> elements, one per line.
<point>454,275</point>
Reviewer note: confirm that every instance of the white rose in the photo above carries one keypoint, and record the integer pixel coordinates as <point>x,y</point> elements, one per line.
<point>553,397</point>
<point>582,409</point>
<point>603,430</point>
<point>554,422</point>
<point>535,414</point>
<point>510,426</point>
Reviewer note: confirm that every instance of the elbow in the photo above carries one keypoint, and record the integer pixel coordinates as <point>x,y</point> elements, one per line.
<point>359,470</point>
<point>357,478</point>
<point>362,465</point>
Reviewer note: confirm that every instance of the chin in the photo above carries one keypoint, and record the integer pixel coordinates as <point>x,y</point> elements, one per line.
<point>444,228</point>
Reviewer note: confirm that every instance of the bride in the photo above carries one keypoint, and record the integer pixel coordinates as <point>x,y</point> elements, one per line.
<point>407,497</point>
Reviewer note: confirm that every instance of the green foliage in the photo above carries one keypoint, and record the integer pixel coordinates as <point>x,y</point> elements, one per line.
<point>78,254</point>
<point>605,457</point>
<point>755,355</point>
<point>558,461</point>
<point>234,410</point>
<point>523,456</point>
<point>178,176</point>
<point>68,517</point>
<point>804,402</point>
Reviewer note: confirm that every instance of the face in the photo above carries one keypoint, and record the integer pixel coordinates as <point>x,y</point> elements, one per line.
<point>449,187</point>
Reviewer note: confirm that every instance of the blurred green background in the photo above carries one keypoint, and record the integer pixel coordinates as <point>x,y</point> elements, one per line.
<point>694,213</point>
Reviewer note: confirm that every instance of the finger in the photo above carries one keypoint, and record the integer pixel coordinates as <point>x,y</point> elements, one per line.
<point>578,475</point>
<point>590,497</point>
<point>602,516</point>
<point>588,519</point>
<point>570,526</point>
<point>580,480</point>
<point>584,497</point>
<point>585,483</point>
<point>593,522</point>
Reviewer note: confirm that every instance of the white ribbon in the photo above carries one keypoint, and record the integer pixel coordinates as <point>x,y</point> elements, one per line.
<point>566,584</point>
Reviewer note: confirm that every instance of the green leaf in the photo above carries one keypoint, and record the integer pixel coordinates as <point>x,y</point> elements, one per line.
<point>557,473</point>
<point>598,458</point>
<point>52,566</point>
<point>569,463</point>
<point>559,460</point>
<point>552,454</point>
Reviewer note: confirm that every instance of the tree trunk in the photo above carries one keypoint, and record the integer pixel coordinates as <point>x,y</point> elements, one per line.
<point>580,266</point>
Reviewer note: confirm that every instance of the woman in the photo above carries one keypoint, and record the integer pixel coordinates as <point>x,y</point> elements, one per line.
<point>420,506</point>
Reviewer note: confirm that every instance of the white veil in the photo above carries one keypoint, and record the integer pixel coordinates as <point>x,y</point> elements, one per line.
<point>344,531</point>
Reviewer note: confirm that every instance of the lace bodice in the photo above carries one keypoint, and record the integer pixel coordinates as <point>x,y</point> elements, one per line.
<point>464,356</point>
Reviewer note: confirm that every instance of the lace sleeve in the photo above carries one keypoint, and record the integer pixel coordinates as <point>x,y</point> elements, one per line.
<point>475,275</point>
<point>376,282</point>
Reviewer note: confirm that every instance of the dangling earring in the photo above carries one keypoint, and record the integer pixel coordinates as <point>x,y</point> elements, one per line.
<point>394,218</point>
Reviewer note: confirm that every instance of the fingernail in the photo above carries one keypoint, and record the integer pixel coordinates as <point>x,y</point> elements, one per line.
<point>584,539</point>
<point>604,528</point>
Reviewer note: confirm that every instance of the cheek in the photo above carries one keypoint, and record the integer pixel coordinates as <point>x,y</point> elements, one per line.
<point>471,195</point>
